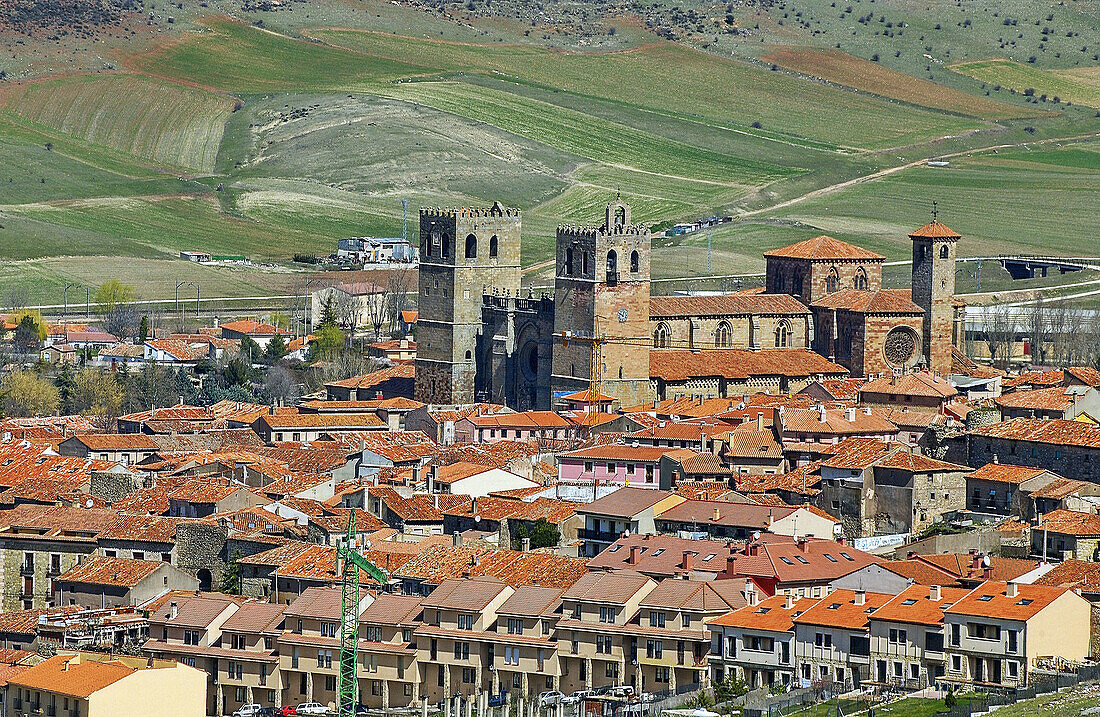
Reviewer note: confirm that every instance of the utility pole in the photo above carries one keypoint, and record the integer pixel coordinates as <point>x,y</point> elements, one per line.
<point>404,220</point>
<point>65,300</point>
<point>708,250</point>
<point>179,316</point>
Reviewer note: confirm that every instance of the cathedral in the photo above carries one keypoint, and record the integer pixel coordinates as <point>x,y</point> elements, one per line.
<point>481,337</point>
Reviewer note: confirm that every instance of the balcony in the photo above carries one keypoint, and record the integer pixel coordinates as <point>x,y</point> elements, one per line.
<point>26,569</point>
<point>606,536</point>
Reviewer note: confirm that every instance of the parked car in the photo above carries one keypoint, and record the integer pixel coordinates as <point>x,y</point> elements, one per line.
<point>311,708</point>
<point>577,697</point>
<point>622,691</point>
<point>288,711</point>
<point>252,710</point>
<point>648,697</point>
<point>498,700</point>
<point>551,698</point>
<point>267,712</point>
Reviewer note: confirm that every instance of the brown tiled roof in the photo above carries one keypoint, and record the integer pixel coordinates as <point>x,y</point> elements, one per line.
<point>1029,600</point>
<point>1005,473</point>
<point>842,389</point>
<point>626,502</point>
<point>808,560</point>
<point>962,564</point>
<point>1072,522</point>
<point>681,364</point>
<point>473,593</point>
<point>497,509</point>
<point>618,452</point>
<point>117,441</point>
<point>915,606</point>
<point>920,383</point>
<point>919,463</point>
<point>1056,432</point>
<point>374,378</point>
<point>858,453</point>
<point>702,489</point>
<point>532,601</point>
<point>724,305</point>
<point>196,611</point>
<point>883,301</point>
<point>695,595</point>
<point>419,506</point>
<point>316,602</point>
<point>742,515</point>
<point>803,479</point>
<point>73,675</point>
<point>770,615</point>
<point>839,609</point>
<point>1055,398</point>
<point>824,247</point>
<point>963,364</point>
<point>25,622</point>
<point>522,420</point>
<point>322,420</point>
<point>440,562</point>
<point>1036,377</point>
<point>808,420</point>
<point>395,446</point>
<point>935,230</point>
<point>204,490</point>
<point>119,572</point>
<point>255,618</point>
<point>146,528</point>
<point>1085,374</point>
<point>253,328</point>
<point>1060,488</point>
<point>389,609</point>
<point>920,573</point>
<point>663,555</point>
<point>458,471</point>
<point>606,587</point>
<point>1074,574</point>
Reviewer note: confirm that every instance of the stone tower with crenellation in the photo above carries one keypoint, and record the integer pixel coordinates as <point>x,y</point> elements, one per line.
<point>464,254</point>
<point>601,290</point>
<point>934,247</point>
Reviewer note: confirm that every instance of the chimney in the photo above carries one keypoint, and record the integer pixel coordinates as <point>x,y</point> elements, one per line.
<point>850,414</point>
<point>416,475</point>
<point>788,602</point>
<point>717,514</point>
<point>750,592</point>
<point>995,459</point>
<point>975,560</point>
<point>987,573</point>
<point>771,517</point>
<point>1010,589</point>
<point>635,552</point>
<point>173,610</point>
<point>457,539</point>
<point>821,414</point>
<point>525,544</point>
<point>842,540</point>
<point>803,545</point>
<point>760,421</point>
<point>860,598</point>
<point>688,563</point>
<point>473,506</point>
<point>934,593</point>
<point>867,410</point>
<point>435,500</point>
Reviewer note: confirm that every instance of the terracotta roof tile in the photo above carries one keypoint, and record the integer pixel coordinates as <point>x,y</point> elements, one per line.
<point>822,248</point>
<point>118,572</point>
<point>883,301</point>
<point>73,675</point>
<point>440,562</point>
<point>990,599</point>
<point>1005,473</point>
<point>935,230</point>
<point>910,384</point>
<point>1055,398</point>
<point>1053,431</point>
<point>681,364</point>
<point>915,606</point>
<point>770,614</point>
<point>724,305</point>
<point>1071,522</point>
<point>840,609</point>
<point>606,587</point>
<point>1074,574</point>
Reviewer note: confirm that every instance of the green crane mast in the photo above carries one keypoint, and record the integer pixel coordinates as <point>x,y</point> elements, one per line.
<point>353,562</point>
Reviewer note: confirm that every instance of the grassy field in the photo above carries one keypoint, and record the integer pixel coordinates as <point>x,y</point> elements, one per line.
<point>868,76</point>
<point>171,125</point>
<point>1080,86</point>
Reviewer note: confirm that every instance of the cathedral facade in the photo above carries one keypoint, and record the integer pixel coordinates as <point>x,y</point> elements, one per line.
<point>483,338</point>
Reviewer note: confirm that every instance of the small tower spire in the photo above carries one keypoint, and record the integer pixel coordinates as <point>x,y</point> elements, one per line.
<point>935,211</point>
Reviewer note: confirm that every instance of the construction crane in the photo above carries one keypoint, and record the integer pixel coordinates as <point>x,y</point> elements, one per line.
<point>352,562</point>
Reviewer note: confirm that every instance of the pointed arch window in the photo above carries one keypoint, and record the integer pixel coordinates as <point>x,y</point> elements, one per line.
<point>783,334</point>
<point>723,335</point>
<point>945,251</point>
<point>661,336</point>
<point>832,281</point>
<point>471,246</point>
<point>634,262</point>
<point>860,282</point>
<point>445,245</point>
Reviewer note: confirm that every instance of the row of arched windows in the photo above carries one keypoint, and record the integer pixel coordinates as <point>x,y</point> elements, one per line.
<point>439,244</point>
<point>723,336</point>
<point>832,281</point>
<point>612,263</point>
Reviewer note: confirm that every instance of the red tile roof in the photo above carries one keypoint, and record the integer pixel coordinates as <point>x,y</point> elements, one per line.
<point>858,453</point>
<point>990,599</point>
<point>725,305</point>
<point>915,606</point>
<point>1074,574</point>
<point>1005,473</point>
<point>935,230</point>
<point>1055,398</point>
<point>770,614</point>
<point>678,365</point>
<point>841,609</point>
<point>1071,522</point>
<point>883,301</point>
<point>823,248</point>
<point>808,560</point>
<point>911,384</point>
<point>1056,432</point>
<point>253,328</point>
<point>1036,377</point>
<point>118,572</point>
<point>440,562</point>
<point>74,675</point>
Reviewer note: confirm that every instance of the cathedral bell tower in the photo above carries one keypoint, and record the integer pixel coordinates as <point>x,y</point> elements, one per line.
<point>934,247</point>
<point>601,294</point>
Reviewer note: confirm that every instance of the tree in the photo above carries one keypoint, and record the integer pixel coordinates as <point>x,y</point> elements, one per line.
<point>98,396</point>
<point>543,534</point>
<point>328,340</point>
<point>730,688</point>
<point>143,329</point>
<point>1037,326</point>
<point>250,351</point>
<point>999,332</point>
<point>29,334</point>
<point>237,371</point>
<point>279,320</point>
<point>346,308</point>
<point>111,293</point>
<point>66,388</point>
<point>377,310</point>
<point>122,320</point>
<point>950,701</point>
<point>280,386</point>
<point>328,312</point>
<point>149,388</point>
<point>25,393</point>
<point>398,288</point>
<point>231,578</point>
<point>276,350</point>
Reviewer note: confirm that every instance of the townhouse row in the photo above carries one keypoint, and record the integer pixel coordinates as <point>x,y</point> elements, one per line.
<point>995,635</point>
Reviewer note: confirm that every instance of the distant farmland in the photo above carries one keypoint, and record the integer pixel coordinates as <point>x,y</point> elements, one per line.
<point>1080,86</point>
<point>845,69</point>
<point>167,124</point>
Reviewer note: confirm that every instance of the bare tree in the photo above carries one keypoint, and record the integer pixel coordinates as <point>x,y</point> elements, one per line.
<point>398,288</point>
<point>348,308</point>
<point>122,320</point>
<point>1059,326</point>
<point>1037,328</point>
<point>377,309</point>
<point>18,297</point>
<point>999,331</point>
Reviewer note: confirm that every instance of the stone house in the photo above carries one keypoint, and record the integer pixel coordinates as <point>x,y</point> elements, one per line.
<point>1069,448</point>
<point>99,583</point>
<point>1068,534</point>
<point>994,487</point>
<point>127,449</point>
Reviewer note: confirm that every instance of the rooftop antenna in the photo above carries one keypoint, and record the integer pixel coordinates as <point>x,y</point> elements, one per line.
<point>935,211</point>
